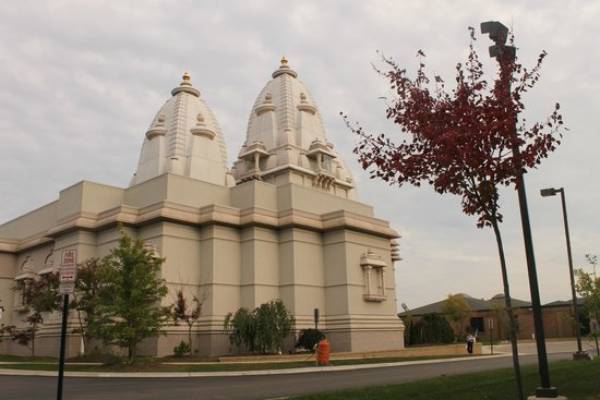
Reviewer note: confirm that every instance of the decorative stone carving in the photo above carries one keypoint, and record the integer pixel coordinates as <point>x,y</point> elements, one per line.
<point>395,250</point>
<point>201,129</point>
<point>266,106</point>
<point>186,86</point>
<point>49,266</point>
<point>152,249</point>
<point>158,129</point>
<point>373,267</point>
<point>26,270</point>
<point>253,154</point>
<point>304,106</point>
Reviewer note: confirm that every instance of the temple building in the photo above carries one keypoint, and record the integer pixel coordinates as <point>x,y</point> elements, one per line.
<point>283,222</point>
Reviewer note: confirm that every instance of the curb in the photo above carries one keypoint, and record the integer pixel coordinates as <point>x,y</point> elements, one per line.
<point>287,371</point>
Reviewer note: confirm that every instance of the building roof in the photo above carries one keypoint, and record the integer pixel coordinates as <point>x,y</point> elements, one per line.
<point>185,139</point>
<point>286,131</point>
<point>562,303</point>
<point>475,304</point>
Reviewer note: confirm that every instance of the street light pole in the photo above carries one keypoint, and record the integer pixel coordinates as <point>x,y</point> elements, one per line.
<point>580,354</point>
<point>499,33</point>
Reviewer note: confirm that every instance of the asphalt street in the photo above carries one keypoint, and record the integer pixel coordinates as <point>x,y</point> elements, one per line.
<point>242,387</point>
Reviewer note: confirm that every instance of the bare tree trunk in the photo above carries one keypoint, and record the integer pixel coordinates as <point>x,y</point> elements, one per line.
<point>131,352</point>
<point>190,336</point>
<point>33,341</point>
<point>82,332</point>
<point>508,306</point>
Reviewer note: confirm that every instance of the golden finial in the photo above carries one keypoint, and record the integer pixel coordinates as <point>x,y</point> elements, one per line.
<point>284,60</point>
<point>186,76</point>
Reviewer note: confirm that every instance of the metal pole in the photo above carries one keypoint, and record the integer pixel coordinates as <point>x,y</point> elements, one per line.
<point>492,336</point>
<point>546,389</point>
<point>63,337</point>
<point>498,33</point>
<point>580,353</point>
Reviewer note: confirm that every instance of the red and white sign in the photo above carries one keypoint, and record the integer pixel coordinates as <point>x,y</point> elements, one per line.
<point>69,258</point>
<point>67,271</point>
<point>67,274</point>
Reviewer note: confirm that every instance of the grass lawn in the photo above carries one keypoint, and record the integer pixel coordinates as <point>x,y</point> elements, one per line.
<point>7,358</point>
<point>156,365</point>
<point>578,380</point>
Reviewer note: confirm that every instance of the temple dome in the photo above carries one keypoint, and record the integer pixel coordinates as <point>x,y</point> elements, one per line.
<point>185,139</point>
<point>286,136</point>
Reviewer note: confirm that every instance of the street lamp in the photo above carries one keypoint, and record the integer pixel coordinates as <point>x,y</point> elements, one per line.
<point>503,53</point>
<point>580,354</point>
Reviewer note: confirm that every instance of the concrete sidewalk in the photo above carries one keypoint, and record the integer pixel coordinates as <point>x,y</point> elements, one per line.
<point>526,348</point>
<point>286,371</point>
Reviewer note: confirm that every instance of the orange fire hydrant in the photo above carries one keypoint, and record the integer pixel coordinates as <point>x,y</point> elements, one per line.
<point>323,352</point>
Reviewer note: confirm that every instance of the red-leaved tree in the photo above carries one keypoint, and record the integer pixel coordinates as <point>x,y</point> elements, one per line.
<point>462,141</point>
<point>183,311</point>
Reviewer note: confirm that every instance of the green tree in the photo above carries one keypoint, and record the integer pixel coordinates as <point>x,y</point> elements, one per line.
<point>2,326</point>
<point>588,287</point>
<point>241,327</point>
<point>431,329</point>
<point>128,308</point>
<point>504,321</point>
<point>409,322</point>
<point>183,311</point>
<point>85,299</point>
<point>457,310</point>
<point>273,324</point>
<point>262,330</point>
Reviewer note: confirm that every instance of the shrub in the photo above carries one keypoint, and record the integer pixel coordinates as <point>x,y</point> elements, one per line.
<point>430,329</point>
<point>182,349</point>
<point>261,330</point>
<point>111,359</point>
<point>309,338</point>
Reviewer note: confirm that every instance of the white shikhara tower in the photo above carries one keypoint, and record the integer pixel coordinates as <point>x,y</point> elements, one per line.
<point>283,223</point>
<point>184,139</point>
<point>286,140</point>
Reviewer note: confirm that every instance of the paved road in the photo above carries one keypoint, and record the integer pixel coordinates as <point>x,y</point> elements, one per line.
<point>243,387</point>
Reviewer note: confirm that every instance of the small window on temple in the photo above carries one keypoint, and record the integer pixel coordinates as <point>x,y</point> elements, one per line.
<point>373,276</point>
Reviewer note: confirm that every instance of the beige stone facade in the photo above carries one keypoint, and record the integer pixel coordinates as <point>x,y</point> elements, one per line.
<point>284,223</point>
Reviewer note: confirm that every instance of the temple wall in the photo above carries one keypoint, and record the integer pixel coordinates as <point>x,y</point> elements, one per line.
<point>227,266</point>
<point>308,199</point>
<point>8,269</point>
<point>301,274</point>
<point>260,266</point>
<point>31,223</point>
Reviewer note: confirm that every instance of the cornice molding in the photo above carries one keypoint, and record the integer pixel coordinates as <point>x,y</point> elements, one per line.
<point>213,214</point>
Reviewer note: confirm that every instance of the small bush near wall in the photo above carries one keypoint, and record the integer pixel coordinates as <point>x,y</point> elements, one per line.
<point>309,338</point>
<point>261,330</point>
<point>182,349</point>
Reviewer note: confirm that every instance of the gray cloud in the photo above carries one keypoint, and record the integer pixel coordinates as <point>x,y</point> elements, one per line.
<point>82,80</point>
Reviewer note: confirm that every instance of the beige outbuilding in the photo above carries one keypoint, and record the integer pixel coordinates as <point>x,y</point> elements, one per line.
<point>283,223</point>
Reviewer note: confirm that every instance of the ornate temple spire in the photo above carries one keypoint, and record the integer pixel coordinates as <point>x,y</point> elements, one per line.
<point>286,141</point>
<point>184,139</point>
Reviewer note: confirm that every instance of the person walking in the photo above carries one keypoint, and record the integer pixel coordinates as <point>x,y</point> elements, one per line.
<point>470,343</point>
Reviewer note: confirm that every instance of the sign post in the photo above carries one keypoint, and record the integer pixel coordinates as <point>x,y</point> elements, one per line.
<point>67,274</point>
<point>491,325</point>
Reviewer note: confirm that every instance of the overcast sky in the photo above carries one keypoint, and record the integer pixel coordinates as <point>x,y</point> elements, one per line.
<point>81,81</point>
